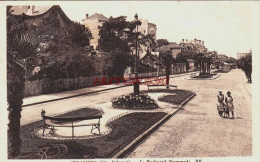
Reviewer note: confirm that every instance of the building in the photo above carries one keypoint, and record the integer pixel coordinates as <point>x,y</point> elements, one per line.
<point>29,10</point>
<point>193,46</point>
<point>146,28</point>
<point>224,67</point>
<point>240,55</point>
<point>93,22</point>
<point>34,15</point>
<point>222,58</point>
<point>179,68</point>
<point>149,62</point>
<point>173,47</point>
<point>191,64</point>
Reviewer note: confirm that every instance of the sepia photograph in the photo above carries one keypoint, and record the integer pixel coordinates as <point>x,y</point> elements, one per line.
<point>168,81</point>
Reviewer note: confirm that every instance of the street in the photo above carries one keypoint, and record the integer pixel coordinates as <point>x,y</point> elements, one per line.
<point>197,130</point>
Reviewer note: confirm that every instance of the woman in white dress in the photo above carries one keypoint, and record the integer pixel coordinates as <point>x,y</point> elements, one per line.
<point>229,103</point>
<point>221,104</point>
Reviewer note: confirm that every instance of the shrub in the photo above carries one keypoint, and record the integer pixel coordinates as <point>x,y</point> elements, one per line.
<point>132,101</point>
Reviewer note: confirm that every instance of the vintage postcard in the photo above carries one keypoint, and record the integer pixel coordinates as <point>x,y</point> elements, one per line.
<point>147,81</point>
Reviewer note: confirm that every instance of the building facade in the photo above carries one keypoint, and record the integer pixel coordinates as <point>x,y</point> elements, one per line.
<point>193,46</point>
<point>191,64</point>
<point>93,22</point>
<point>222,58</point>
<point>146,28</point>
<point>173,47</point>
<point>240,54</point>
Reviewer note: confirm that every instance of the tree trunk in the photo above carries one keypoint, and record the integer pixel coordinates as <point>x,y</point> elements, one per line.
<point>167,77</point>
<point>15,90</point>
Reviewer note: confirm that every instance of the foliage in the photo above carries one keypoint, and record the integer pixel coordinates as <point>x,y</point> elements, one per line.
<point>115,34</point>
<point>80,65</point>
<point>231,60</point>
<point>116,62</point>
<point>245,64</point>
<point>132,101</point>
<point>166,60</point>
<point>148,41</point>
<point>161,42</point>
<point>178,98</point>
<point>62,52</point>
<point>182,57</point>
<point>21,47</point>
<point>79,34</point>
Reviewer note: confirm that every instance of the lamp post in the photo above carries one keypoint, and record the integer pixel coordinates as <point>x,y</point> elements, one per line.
<point>136,82</point>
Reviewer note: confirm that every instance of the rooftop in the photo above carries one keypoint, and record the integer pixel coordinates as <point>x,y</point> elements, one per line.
<point>97,16</point>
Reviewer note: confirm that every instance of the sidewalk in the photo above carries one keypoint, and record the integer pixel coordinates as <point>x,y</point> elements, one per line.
<point>33,100</point>
<point>247,85</point>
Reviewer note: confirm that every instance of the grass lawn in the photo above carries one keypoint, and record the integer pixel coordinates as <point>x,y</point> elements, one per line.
<point>181,96</point>
<point>125,129</point>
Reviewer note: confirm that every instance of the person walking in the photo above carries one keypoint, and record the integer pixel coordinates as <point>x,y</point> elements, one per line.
<point>229,103</point>
<point>220,105</point>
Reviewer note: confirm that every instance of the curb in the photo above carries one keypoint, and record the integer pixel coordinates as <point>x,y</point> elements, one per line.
<point>82,94</point>
<point>123,153</point>
<point>204,78</point>
<point>62,98</point>
<point>248,90</point>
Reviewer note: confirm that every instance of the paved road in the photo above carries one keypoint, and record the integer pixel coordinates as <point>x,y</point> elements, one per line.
<point>197,130</point>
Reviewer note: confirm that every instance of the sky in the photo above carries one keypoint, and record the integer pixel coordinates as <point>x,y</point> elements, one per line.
<point>224,26</point>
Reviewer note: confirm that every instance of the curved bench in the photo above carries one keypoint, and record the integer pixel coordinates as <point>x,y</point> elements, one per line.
<point>51,122</point>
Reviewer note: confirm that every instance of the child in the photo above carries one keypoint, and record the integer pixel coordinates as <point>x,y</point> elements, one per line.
<point>229,103</point>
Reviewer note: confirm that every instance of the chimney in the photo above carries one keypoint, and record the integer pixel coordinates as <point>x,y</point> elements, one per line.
<point>203,43</point>
<point>182,40</point>
<point>86,15</point>
<point>200,41</point>
<point>31,10</point>
<point>186,40</point>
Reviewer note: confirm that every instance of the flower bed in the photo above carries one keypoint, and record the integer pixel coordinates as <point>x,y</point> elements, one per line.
<point>204,75</point>
<point>125,130</point>
<point>181,96</point>
<point>132,101</point>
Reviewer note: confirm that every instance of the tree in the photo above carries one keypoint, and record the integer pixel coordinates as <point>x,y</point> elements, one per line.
<point>166,60</point>
<point>115,36</point>
<point>161,42</point>
<point>79,34</point>
<point>245,64</point>
<point>116,62</point>
<point>148,41</point>
<point>231,60</point>
<point>21,47</point>
<point>57,44</point>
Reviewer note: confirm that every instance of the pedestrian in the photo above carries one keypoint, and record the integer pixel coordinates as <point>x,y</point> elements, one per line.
<point>220,105</point>
<point>229,103</point>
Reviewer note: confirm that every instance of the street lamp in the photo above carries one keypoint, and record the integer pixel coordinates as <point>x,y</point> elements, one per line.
<point>136,82</point>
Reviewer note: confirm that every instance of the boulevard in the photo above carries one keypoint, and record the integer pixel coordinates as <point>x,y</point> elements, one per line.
<point>195,131</point>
